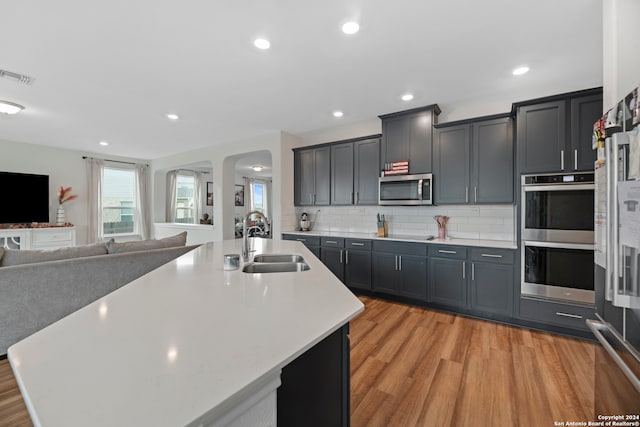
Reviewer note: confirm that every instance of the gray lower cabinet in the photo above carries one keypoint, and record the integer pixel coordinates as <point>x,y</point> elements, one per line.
<point>349,260</point>
<point>491,285</point>
<point>556,313</point>
<point>311,242</point>
<point>448,275</point>
<point>400,269</point>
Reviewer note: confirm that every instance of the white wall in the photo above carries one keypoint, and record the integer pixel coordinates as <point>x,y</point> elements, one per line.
<point>64,167</point>
<point>621,49</point>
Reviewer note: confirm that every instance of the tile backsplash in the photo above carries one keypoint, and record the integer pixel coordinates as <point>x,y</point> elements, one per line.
<point>490,222</point>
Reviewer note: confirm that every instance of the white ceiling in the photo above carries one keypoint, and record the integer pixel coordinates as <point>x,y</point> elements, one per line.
<point>111,70</point>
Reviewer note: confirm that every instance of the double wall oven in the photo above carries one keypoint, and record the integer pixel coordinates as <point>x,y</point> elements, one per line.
<point>557,236</point>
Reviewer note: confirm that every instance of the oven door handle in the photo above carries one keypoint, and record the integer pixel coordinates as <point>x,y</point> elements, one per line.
<point>596,327</point>
<point>584,246</point>
<point>557,187</point>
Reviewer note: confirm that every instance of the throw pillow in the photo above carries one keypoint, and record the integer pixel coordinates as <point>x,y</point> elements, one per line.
<point>143,245</point>
<point>18,257</point>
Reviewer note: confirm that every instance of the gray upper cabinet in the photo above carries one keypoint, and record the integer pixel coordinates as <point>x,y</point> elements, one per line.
<point>366,171</point>
<point>407,135</point>
<point>493,161</point>
<point>473,162</point>
<point>555,135</point>
<point>452,164</point>
<point>312,179</point>
<point>584,113</point>
<point>339,173</point>
<point>342,174</point>
<point>541,137</point>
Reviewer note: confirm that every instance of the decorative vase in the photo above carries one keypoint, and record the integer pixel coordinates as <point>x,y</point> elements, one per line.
<point>60,218</point>
<point>442,233</point>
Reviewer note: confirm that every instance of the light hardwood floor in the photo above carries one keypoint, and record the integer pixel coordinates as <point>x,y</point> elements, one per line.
<point>417,367</point>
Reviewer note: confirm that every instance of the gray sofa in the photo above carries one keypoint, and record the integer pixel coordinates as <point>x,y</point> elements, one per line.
<point>38,288</point>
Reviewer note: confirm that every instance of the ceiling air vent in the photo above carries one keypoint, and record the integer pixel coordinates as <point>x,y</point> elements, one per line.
<point>18,78</point>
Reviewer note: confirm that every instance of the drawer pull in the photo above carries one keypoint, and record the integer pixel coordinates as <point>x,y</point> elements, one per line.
<point>301,240</point>
<point>332,241</point>
<point>357,244</point>
<point>491,255</point>
<point>573,316</point>
<point>442,251</point>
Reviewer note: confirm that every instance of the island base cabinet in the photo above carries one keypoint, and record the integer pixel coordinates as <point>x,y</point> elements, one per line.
<point>315,386</point>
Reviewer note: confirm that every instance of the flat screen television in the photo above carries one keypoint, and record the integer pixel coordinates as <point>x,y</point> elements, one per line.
<point>25,198</point>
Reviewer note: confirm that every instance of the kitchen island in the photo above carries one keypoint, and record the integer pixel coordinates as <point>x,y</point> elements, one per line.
<point>187,344</point>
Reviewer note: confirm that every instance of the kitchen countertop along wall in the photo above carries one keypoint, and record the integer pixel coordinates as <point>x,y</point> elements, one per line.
<point>421,238</point>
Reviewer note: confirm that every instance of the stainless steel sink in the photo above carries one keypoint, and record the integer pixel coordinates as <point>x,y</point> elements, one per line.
<point>275,267</point>
<point>278,258</point>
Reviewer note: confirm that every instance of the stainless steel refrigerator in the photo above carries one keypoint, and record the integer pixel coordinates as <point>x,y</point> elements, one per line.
<point>617,259</point>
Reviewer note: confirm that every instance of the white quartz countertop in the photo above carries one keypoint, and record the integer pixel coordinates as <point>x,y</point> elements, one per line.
<point>501,244</point>
<point>180,342</point>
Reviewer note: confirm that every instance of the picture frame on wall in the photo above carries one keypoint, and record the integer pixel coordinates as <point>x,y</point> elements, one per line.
<point>239,195</point>
<point>209,193</point>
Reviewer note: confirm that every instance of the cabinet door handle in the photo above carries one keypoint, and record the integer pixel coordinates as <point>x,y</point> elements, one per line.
<point>400,263</point>
<point>473,271</point>
<point>357,196</point>
<point>475,194</point>
<point>310,198</point>
<point>346,255</point>
<point>314,198</point>
<point>396,262</point>
<point>464,267</point>
<point>443,251</point>
<point>575,159</point>
<point>332,241</point>
<point>562,159</point>
<point>491,255</point>
<point>357,244</point>
<point>573,316</point>
<point>340,256</point>
<point>301,240</point>
<point>466,194</point>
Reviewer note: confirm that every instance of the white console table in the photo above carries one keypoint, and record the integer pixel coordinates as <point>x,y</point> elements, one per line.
<point>38,238</point>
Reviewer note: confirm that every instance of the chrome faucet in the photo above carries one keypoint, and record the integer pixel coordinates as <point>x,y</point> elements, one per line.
<point>245,232</point>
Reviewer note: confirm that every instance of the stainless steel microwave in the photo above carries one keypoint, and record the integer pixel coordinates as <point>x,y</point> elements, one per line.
<point>406,190</point>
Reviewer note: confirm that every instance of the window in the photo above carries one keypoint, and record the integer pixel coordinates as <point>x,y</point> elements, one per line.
<point>185,199</point>
<point>118,201</point>
<point>258,195</point>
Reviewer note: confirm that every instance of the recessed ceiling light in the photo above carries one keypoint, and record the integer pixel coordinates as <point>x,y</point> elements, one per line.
<point>520,71</point>
<point>350,27</point>
<point>407,97</point>
<point>7,107</point>
<point>171,116</point>
<point>338,114</point>
<point>103,143</point>
<point>262,44</point>
<point>257,168</point>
